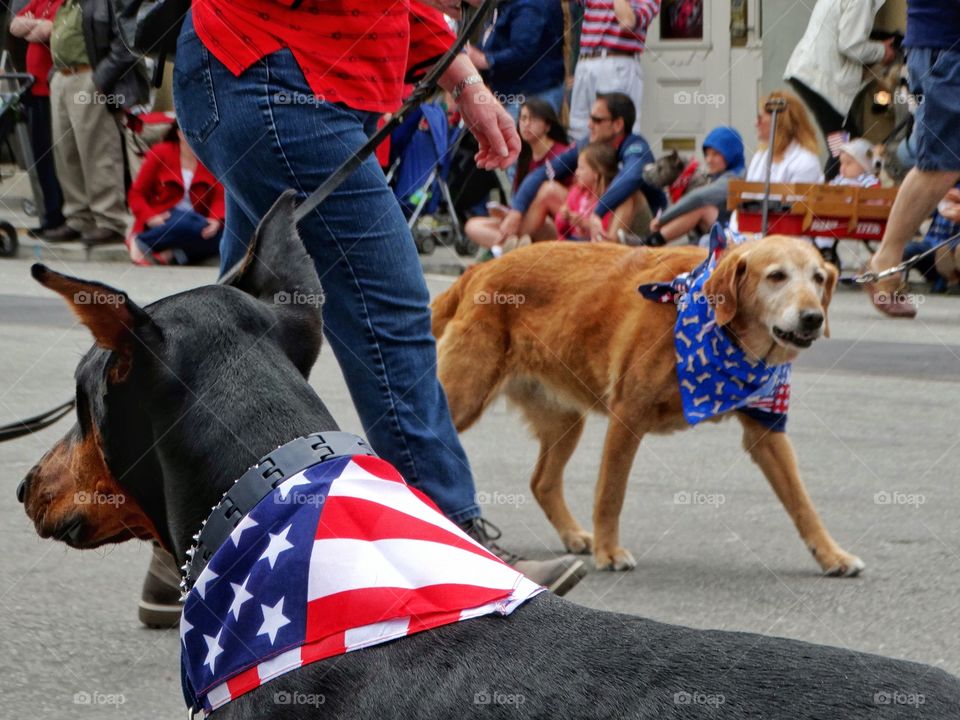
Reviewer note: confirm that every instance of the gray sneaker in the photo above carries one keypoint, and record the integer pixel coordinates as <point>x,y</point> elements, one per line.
<point>160,605</point>
<point>559,575</point>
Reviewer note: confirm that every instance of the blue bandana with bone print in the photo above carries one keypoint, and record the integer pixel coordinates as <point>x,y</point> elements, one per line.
<point>715,375</point>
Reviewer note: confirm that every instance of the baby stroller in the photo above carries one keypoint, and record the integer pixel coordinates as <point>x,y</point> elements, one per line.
<point>421,149</point>
<point>13,86</point>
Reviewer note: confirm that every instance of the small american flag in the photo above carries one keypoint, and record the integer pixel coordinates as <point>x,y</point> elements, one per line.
<point>341,556</point>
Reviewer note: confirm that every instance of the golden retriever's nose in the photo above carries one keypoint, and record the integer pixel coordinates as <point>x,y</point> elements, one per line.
<point>811,320</point>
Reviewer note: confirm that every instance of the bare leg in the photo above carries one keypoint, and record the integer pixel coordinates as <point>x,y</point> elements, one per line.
<point>918,196</point>
<point>623,217</point>
<point>484,231</point>
<point>550,198</point>
<point>773,453</point>
<point>700,219</point>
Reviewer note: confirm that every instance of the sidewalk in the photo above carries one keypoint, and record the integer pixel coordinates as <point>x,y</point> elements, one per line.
<point>16,188</point>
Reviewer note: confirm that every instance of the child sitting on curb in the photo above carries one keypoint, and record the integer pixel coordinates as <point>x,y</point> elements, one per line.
<point>596,168</point>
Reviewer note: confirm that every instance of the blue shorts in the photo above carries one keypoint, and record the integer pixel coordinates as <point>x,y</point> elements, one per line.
<point>935,73</point>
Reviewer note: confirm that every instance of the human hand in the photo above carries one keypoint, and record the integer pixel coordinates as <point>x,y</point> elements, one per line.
<point>510,225</point>
<point>953,195</point>
<point>157,220</point>
<point>889,52</point>
<point>211,229</point>
<point>597,233</point>
<point>493,128</point>
<point>655,224</point>
<point>950,210</point>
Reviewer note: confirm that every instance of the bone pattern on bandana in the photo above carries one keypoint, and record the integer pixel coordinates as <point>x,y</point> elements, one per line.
<point>716,376</point>
<point>342,556</point>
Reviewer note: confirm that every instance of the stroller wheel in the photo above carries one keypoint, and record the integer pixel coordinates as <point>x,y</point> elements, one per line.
<point>8,240</point>
<point>425,244</point>
<point>465,246</point>
<point>29,207</point>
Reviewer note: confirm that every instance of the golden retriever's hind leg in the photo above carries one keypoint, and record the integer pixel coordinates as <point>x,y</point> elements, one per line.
<point>619,450</point>
<point>773,452</point>
<point>558,429</point>
<point>470,363</point>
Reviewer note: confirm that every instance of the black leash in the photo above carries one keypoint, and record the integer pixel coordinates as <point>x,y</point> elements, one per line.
<point>471,20</point>
<point>35,423</point>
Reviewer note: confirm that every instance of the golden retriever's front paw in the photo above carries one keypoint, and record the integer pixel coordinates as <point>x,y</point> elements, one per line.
<point>615,559</point>
<point>840,564</point>
<point>579,542</point>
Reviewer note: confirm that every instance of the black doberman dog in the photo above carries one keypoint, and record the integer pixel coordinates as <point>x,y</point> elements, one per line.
<point>178,398</point>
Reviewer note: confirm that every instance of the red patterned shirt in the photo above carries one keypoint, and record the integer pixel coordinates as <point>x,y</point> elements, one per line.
<point>601,29</point>
<point>355,52</point>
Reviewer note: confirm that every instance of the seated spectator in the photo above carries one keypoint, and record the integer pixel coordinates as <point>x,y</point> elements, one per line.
<point>856,159</point>
<point>541,194</point>
<point>795,148</point>
<point>522,56</point>
<point>596,169</point>
<point>177,205</point>
<point>543,138</point>
<point>699,209</point>
<point>941,268</point>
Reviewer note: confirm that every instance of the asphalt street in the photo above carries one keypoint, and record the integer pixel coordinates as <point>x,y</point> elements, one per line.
<point>873,418</point>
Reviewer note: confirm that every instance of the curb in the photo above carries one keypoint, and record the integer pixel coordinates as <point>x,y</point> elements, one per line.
<point>443,261</point>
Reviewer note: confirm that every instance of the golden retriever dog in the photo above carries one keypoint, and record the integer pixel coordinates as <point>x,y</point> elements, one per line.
<point>561,329</point>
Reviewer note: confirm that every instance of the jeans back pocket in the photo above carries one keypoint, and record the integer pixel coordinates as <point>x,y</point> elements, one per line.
<point>193,94</point>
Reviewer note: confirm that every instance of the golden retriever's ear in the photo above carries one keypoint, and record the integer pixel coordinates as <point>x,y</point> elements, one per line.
<point>723,286</point>
<point>828,287</point>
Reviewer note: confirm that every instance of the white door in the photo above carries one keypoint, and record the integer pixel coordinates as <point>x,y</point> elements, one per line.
<point>700,75</point>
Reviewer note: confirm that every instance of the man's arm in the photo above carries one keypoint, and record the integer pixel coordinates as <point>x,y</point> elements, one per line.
<point>562,166</point>
<point>856,22</point>
<point>633,13</point>
<point>629,180</point>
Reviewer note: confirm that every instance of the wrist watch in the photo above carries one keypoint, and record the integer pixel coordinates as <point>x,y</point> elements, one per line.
<point>462,85</point>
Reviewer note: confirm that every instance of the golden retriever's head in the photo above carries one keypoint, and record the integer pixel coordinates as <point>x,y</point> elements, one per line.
<point>772,295</point>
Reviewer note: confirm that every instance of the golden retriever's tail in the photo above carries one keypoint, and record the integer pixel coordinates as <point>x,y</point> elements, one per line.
<point>445,305</point>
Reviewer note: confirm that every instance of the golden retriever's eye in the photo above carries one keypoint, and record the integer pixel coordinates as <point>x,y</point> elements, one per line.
<point>819,278</point>
<point>776,276</point>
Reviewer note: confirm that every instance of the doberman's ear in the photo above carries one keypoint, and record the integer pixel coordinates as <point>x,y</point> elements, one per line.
<point>723,286</point>
<point>109,313</point>
<point>277,267</point>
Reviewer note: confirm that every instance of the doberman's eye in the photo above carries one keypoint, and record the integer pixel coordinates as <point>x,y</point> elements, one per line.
<point>776,276</point>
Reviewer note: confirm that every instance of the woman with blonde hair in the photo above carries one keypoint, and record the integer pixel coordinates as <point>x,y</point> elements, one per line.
<point>795,148</point>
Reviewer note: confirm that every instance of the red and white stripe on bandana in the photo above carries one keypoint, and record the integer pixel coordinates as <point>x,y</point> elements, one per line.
<point>341,556</point>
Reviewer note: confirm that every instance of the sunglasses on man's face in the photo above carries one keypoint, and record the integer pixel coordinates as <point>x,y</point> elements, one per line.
<point>598,120</point>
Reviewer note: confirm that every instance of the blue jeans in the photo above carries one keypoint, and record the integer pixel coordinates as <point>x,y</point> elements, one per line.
<point>376,316</point>
<point>935,74</point>
<point>181,233</point>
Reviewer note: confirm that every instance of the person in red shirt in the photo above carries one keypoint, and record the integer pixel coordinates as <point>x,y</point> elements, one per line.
<point>277,94</point>
<point>33,23</point>
<point>177,206</point>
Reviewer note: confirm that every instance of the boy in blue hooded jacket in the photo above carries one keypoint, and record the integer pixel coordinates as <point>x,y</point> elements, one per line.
<point>699,209</point>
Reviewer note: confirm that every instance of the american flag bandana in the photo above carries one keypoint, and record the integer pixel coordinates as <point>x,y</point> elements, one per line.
<point>715,375</point>
<point>341,556</point>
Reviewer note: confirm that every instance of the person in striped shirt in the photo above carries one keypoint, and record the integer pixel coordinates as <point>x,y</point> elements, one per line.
<point>612,39</point>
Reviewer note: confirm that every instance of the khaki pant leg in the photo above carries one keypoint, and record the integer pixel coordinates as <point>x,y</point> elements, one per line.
<point>66,155</point>
<point>100,146</point>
